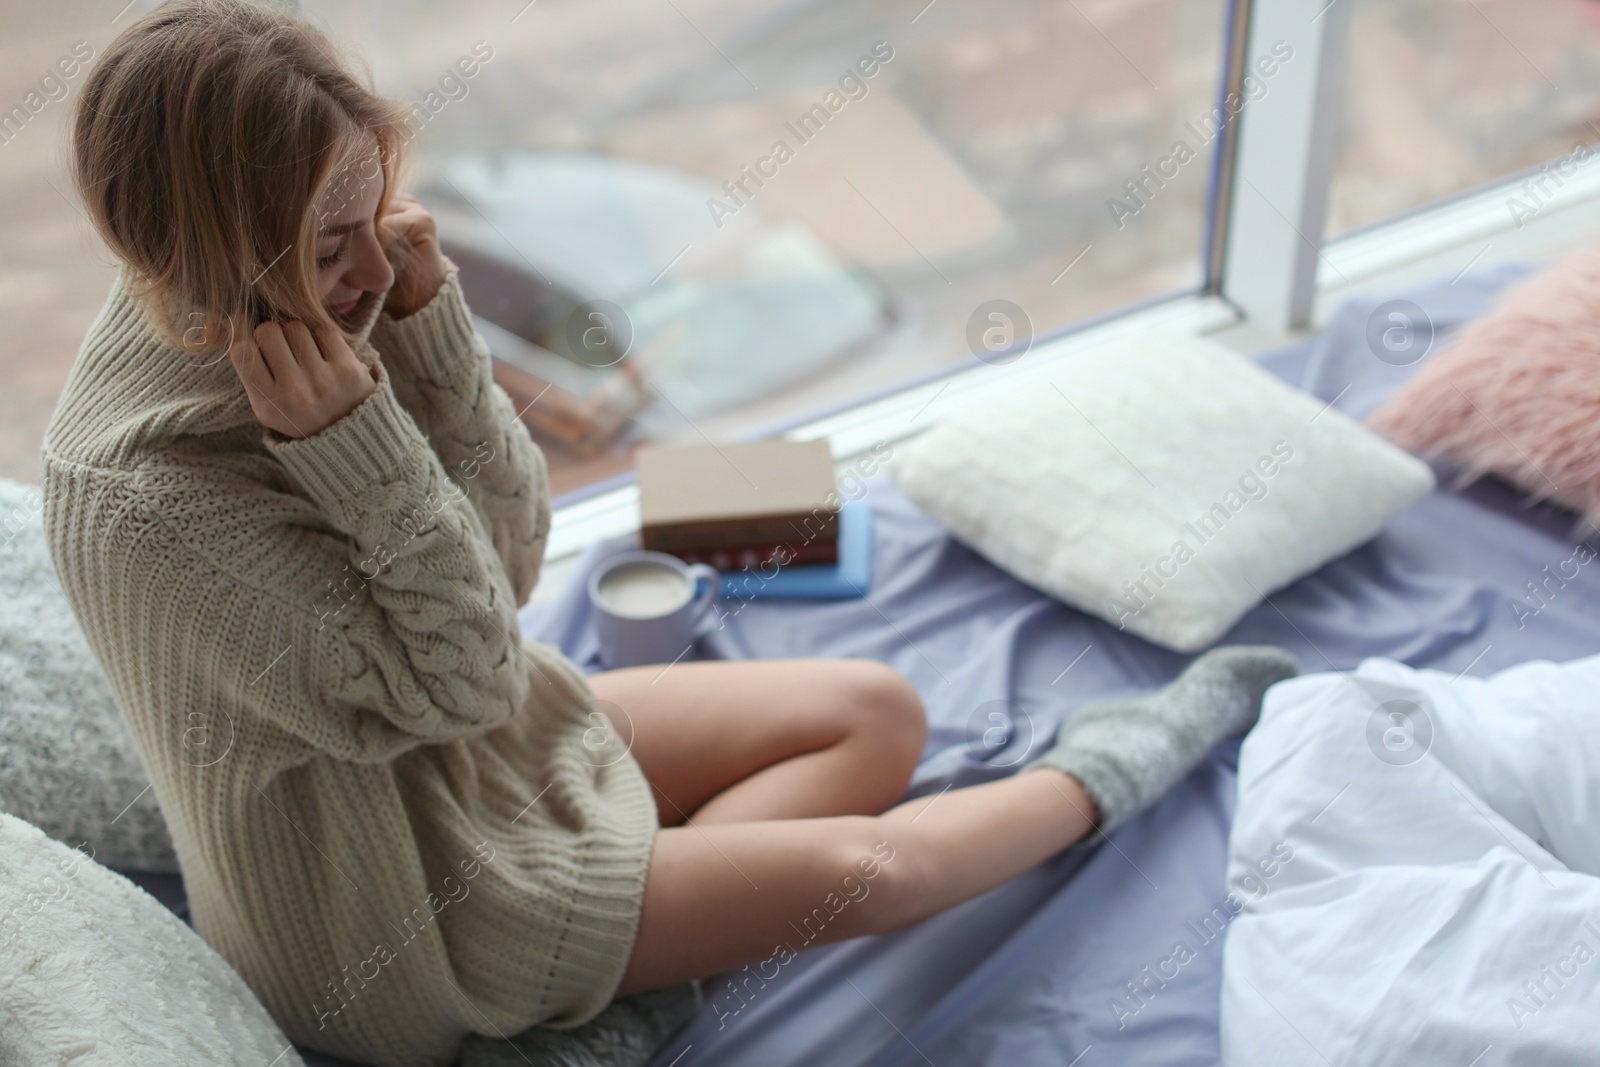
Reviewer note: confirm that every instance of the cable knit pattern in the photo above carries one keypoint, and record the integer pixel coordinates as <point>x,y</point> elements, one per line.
<point>393,815</point>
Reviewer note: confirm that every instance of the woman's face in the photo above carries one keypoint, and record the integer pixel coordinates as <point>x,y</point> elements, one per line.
<point>350,261</point>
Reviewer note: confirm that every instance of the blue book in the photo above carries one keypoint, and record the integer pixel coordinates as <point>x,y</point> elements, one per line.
<point>849,578</point>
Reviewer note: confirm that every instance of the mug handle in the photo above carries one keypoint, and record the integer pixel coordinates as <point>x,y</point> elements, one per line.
<point>703,597</point>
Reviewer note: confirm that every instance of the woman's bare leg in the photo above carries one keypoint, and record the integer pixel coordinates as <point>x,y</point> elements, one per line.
<point>719,896</point>
<point>722,896</point>
<point>744,741</point>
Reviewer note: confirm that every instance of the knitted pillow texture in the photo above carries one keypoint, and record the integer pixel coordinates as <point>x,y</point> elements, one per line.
<point>1518,393</point>
<point>94,971</point>
<point>1161,482</point>
<point>68,763</point>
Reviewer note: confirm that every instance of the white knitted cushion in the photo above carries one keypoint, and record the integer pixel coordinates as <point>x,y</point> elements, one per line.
<point>1161,482</point>
<point>68,763</point>
<point>94,971</point>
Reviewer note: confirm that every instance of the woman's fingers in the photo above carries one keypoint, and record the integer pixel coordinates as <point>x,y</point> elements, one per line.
<point>418,263</point>
<point>341,359</point>
<point>407,216</point>
<point>404,202</point>
<point>332,344</point>
<point>302,344</point>
<point>299,382</point>
<point>246,357</point>
<point>274,349</point>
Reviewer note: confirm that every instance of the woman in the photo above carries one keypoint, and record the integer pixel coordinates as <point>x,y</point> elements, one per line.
<point>296,518</point>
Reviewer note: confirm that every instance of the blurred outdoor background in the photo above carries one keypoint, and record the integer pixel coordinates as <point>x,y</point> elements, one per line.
<point>575,174</point>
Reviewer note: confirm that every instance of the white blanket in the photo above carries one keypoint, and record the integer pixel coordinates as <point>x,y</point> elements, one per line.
<point>1414,863</point>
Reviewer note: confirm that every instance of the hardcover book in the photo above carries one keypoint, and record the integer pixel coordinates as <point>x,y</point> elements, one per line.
<point>738,498</point>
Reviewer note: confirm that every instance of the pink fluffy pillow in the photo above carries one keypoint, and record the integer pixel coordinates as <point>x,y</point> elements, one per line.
<point>1518,394</point>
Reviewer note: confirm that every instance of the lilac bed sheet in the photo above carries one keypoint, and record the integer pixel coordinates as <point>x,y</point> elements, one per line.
<point>1038,971</point>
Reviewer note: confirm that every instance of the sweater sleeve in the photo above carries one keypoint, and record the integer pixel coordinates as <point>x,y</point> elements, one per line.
<point>399,623</point>
<point>443,375</point>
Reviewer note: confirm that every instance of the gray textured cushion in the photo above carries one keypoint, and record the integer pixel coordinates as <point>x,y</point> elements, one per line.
<point>68,764</point>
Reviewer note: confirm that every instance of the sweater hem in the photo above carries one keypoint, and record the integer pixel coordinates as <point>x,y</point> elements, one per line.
<point>605,896</point>
<point>599,940</point>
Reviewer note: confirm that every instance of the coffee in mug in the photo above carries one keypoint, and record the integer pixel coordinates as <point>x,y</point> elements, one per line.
<point>642,591</point>
<point>647,605</point>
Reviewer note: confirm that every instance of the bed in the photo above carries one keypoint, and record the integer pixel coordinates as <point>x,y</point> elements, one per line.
<point>1045,969</point>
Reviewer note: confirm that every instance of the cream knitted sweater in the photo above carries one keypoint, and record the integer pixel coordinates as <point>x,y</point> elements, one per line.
<point>397,819</point>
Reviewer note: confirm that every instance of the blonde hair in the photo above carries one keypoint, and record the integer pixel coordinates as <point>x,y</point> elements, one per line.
<point>203,142</point>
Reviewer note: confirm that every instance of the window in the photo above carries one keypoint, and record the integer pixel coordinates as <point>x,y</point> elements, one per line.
<point>609,175</point>
<point>776,208</point>
<point>1444,95</point>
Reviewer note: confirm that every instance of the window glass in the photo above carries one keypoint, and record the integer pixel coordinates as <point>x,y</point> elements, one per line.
<point>1443,95</point>
<point>775,207</point>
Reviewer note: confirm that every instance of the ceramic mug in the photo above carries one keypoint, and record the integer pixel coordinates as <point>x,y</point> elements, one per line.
<point>647,605</point>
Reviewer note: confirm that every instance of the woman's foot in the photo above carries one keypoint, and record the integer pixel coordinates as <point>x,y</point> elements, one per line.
<point>1128,753</point>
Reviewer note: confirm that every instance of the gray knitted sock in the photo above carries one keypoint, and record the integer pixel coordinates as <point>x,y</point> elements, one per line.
<point>1128,753</point>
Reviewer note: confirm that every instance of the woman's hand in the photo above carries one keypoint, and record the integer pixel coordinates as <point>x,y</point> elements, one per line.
<point>413,246</point>
<point>298,384</point>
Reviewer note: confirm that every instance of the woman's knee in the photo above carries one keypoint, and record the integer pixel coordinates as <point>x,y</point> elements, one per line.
<point>885,705</point>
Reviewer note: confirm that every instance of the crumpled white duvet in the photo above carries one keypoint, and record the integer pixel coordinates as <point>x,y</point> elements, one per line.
<point>1417,857</point>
